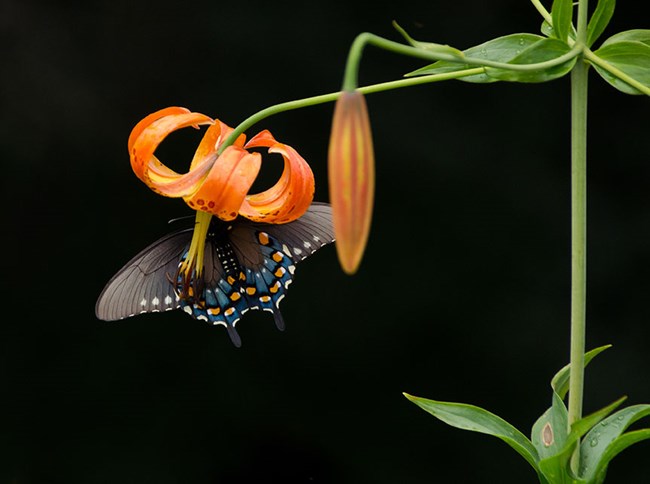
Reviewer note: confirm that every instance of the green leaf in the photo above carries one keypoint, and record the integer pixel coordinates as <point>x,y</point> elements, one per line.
<point>542,51</point>
<point>549,436</point>
<point>631,57</point>
<point>636,35</point>
<point>582,426</point>
<point>618,446</point>
<point>560,382</point>
<point>561,14</point>
<point>605,440</point>
<point>555,446</point>
<point>599,20</point>
<point>501,49</point>
<point>476,419</point>
<point>430,46</point>
<point>556,468</point>
<point>546,29</point>
<point>550,431</point>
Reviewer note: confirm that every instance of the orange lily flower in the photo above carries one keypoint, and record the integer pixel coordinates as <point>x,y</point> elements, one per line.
<point>219,176</point>
<point>351,169</point>
<point>218,183</point>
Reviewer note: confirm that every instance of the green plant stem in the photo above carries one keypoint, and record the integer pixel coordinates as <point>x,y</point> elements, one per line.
<point>331,97</point>
<point>351,69</point>
<point>578,236</point>
<point>543,12</point>
<point>579,83</point>
<point>594,59</point>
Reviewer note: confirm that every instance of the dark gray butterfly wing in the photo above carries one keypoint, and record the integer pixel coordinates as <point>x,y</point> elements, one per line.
<point>298,239</point>
<point>249,266</point>
<point>143,285</point>
<point>268,255</point>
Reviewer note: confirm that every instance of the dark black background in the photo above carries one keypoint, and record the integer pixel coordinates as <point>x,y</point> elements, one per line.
<point>463,294</point>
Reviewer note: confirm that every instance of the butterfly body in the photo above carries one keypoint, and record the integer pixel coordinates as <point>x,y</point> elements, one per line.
<point>247,266</point>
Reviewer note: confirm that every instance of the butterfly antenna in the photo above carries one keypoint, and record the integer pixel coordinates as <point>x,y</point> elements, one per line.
<point>178,219</point>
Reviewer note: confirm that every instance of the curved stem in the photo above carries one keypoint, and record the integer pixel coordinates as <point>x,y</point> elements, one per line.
<point>367,38</point>
<point>543,12</point>
<point>331,97</point>
<point>594,59</point>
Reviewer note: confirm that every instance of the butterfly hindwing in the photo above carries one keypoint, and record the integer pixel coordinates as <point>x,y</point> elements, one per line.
<point>270,253</point>
<point>220,300</point>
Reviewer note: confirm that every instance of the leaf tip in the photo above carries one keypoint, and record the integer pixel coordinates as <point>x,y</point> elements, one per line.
<point>410,397</point>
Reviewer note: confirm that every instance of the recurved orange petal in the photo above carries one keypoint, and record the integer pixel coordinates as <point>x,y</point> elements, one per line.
<point>224,189</point>
<point>212,141</point>
<point>144,140</point>
<point>290,197</point>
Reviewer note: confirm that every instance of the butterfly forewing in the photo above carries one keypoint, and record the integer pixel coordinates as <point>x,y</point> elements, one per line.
<point>143,284</point>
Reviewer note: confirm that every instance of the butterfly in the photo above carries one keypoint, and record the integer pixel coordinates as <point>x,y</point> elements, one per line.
<point>247,266</point>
